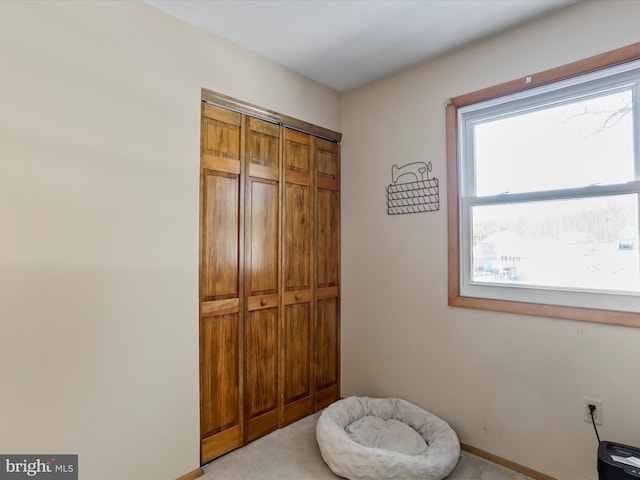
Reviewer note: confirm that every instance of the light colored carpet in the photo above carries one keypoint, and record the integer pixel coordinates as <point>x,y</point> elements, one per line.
<point>292,453</point>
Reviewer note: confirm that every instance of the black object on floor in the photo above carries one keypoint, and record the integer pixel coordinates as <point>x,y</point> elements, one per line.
<point>618,462</point>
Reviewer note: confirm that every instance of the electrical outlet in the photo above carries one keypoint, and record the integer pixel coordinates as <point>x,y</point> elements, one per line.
<point>597,414</point>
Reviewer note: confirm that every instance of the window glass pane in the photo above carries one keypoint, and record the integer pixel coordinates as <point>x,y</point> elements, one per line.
<point>585,243</point>
<point>584,142</point>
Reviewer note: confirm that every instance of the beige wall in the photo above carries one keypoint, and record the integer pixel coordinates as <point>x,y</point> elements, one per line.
<point>99,159</point>
<point>511,385</point>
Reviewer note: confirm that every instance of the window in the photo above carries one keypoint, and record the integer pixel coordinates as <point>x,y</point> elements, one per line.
<point>544,193</point>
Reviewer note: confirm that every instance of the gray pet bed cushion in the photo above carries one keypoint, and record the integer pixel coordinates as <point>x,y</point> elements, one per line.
<point>363,438</point>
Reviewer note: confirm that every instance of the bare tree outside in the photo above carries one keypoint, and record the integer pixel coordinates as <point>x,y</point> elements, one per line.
<point>588,242</point>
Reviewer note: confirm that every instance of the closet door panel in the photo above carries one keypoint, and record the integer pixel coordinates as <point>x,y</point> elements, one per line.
<point>261,392</point>
<point>327,328</point>
<point>220,283</point>
<point>297,241</point>
<point>297,378</point>
<point>327,273</point>
<point>219,379</point>
<point>220,241</point>
<point>328,238</point>
<point>263,143</point>
<point>328,162</point>
<point>263,207</point>
<point>262,277</point>
<point>297,353</point>
<point>221,133</point>
<point>327,214</point>
<point>262,318</point>
<point>297,211</point>
<point>263,248</point>
<point>297,152</point>
<point>220,204</point>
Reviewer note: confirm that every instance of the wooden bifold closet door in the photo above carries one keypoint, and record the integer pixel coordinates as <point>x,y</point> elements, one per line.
<point>297,379</point>
<point>327,275</point>
<point>221,279</point>
<point>269,277</point>
<point>262,276</point>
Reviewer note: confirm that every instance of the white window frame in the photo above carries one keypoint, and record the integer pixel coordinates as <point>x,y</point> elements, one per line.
<point>616,70</point>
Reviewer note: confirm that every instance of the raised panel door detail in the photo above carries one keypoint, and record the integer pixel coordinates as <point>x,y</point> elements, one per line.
<point>263,143</point>
<point>220,235</point>
<point>263,238</point>
<point>222,140</point>
<point>297,152</point>
<point>297,354</point>
<point>297,237</point>
<point>219,374</point>
<point>328,163</point>
<point>261,352</point>
<point>327,346</point>
<point>221,133</point>
<point>328,238</point>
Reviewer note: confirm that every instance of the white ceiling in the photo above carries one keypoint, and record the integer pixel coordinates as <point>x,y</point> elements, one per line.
<point>347,43</point>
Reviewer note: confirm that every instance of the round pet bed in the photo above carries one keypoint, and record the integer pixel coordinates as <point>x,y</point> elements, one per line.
<point>363,438</point>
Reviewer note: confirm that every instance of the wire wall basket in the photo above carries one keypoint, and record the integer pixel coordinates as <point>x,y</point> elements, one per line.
<point>417,194</point>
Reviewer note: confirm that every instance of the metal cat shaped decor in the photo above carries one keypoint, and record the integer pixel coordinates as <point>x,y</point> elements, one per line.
<point>411,190</point>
